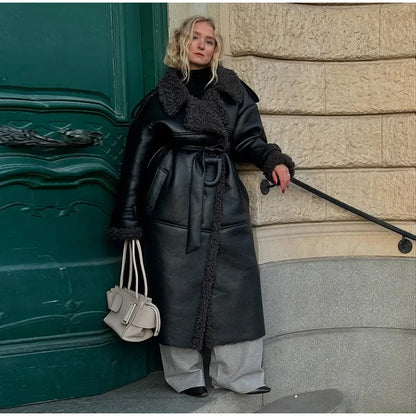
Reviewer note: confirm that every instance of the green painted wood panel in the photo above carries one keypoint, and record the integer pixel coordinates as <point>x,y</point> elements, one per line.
<point>80,67</point>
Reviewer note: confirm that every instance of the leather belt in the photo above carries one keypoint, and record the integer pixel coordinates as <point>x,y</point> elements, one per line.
<point>206,155</point>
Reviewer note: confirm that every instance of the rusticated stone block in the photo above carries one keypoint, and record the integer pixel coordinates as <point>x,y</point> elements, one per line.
<point>286,30</point>
<point>345,141</point>
<point>397,30</point>
<point>284,87</point>
<point>179,11</point>
<point>324,32</point>
<point>386,194</point>
<point>289,87</point>
<point>325,142</point>
<point>294,205</point>
<point>352,32</point>
<point>371,87</point>
<point>383,193</point>
<point>399,145</point>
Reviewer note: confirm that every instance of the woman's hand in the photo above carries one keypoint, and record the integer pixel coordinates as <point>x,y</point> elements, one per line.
<point>281,173</point>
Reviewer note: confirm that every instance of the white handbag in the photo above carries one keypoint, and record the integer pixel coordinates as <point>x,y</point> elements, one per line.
<point>132,315</point>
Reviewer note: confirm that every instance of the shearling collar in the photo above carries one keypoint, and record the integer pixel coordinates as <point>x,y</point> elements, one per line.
<point>207,114</point>
<point>174,94</point>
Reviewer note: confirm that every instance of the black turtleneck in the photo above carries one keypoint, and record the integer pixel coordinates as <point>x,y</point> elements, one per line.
<point>198,80</point>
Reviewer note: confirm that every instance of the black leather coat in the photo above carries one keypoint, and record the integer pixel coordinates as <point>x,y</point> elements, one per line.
<point>181,195</point>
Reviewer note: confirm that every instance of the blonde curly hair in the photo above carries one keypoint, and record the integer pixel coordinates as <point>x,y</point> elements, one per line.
<point>178,46</point>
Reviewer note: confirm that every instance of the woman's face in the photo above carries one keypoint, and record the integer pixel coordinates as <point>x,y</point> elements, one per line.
<point>202,46</point>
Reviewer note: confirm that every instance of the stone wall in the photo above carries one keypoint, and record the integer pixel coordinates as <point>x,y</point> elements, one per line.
<point>337,93</point>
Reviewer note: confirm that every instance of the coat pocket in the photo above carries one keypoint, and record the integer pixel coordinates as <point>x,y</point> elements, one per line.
<point>155,188</point>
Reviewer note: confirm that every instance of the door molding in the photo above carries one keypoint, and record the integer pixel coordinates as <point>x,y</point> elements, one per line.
<point>154,27</point>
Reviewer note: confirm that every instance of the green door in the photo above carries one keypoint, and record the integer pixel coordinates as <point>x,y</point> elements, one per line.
<point>70,75</point>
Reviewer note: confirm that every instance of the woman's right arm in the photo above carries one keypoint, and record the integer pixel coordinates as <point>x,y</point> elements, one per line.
<point>250,142</point>
<point>125,220</point>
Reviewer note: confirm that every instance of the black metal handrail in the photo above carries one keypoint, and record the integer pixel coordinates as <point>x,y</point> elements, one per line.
<point>405,246</point>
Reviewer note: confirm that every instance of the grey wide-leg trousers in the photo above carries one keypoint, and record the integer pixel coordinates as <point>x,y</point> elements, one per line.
<point>236,367</point>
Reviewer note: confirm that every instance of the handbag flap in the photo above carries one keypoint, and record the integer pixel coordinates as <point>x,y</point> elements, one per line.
<point>110,295</point>
<point>110,298</point>
<point>117,302</point>
<point>145,317</point>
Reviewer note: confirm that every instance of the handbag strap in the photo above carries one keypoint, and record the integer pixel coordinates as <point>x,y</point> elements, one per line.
<point>139,248</point>
<point>130,266</point>
<point>131,244</point>
<point>123,262</point>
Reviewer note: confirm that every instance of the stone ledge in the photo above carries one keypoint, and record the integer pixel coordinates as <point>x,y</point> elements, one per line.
<point>281,242</point>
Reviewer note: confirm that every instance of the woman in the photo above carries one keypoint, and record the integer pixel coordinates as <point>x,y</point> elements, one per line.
<point>180,194</point>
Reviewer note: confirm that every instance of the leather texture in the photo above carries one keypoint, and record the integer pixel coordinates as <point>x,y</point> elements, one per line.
<point>167,189</point>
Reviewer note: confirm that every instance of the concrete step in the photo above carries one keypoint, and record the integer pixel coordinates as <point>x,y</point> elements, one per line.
<point>152,395</point>
<point>321,401</point>
<point>149,395</point>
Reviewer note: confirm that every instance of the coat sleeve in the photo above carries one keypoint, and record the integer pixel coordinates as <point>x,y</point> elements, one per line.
<point>125,221</point>
<point>249,140</point>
